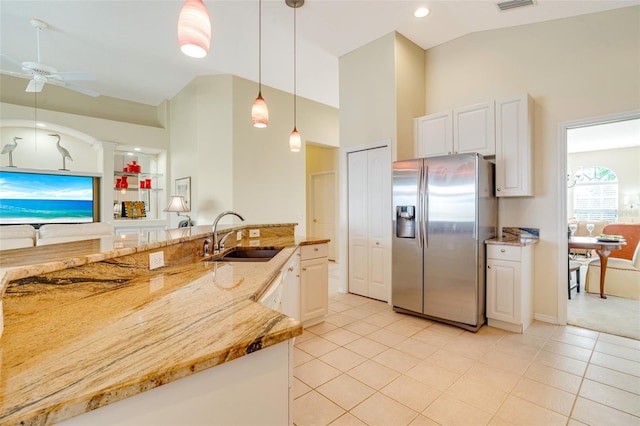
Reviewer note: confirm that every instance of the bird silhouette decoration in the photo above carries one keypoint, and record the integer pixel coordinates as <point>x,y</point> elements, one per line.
<point>8,149</point>
<point>63,151</point>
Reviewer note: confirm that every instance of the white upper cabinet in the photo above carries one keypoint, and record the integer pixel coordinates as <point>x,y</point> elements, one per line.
<point>474,129</point>
<point>503,128</point>
<point>514,146</point>
<point>458,131</point>
<point>434,134</point>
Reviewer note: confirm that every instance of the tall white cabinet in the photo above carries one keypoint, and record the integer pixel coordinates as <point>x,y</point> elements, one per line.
<point>369,193</point>
<point>514,146</point>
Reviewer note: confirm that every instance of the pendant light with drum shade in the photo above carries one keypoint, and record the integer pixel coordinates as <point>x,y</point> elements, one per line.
<point>295,143</point>
<point>194,29</point>
<point>259,110</point>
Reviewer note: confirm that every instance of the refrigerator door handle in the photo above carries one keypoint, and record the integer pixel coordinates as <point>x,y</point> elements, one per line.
<point>420,213</point>
<point>425,206</point>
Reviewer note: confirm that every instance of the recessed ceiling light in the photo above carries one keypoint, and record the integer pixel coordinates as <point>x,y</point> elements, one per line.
<point>41,125</point>
<point>421,12</point>
<point>137,149</point>
<point>129,153</point>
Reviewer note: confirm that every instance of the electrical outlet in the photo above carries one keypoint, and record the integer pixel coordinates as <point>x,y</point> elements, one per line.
<point>254,233</point>
<point>254,243</point>
<point>238,235</point>
<point>156,260</point>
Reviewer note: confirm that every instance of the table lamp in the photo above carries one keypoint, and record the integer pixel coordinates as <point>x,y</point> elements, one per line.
<point>177,205</point>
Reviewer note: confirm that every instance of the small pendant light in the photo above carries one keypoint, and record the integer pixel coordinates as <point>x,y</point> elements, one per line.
<point>295,142</point>
<point>194,29</point>
<point>259,110</point>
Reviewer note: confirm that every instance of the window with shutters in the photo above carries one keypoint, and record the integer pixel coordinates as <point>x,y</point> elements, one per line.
<point>595,195</point>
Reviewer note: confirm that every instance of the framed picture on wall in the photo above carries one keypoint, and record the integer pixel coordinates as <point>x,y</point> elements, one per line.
<point>183,188</point>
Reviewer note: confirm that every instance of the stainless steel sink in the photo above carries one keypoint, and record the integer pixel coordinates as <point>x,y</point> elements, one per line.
<point>250,254</point>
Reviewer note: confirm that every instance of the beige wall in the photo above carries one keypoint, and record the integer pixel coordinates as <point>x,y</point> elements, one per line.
<point>235,166</point>
<point>410,90</point>
<point>368,94</point>
<point>55,98</point>
<point>579,67</point>
<point>625,162</point>
<point>201,134</point>
<point>321,159</point>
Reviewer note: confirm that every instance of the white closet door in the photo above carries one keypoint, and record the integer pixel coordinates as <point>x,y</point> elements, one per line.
<point>370,223</point>
<point>379,212</point>
<point>358,223</point>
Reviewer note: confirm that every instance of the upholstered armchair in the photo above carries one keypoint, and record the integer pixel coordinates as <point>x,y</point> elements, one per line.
<point>623,268</point>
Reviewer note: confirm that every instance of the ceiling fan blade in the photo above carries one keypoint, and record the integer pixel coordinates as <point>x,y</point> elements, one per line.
<point>73,75</point>
<point>11,60</point>
<point>15,74</point>
<point>74,87</point>
<point>82,90</point>
<point>34,86</point>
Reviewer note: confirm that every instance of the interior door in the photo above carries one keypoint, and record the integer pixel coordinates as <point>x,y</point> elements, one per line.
<point>379,224</point>
<point>369,186</point>
<point>358,223</point>
<point>323,208</point>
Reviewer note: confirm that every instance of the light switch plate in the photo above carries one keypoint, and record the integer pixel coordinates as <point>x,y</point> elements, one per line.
<point>254,233</point>
<point>238,235</point>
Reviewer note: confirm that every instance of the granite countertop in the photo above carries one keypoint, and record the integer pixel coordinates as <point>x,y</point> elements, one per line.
<point>512,241</point>
<point>516,236</point>
<point>76,339</point>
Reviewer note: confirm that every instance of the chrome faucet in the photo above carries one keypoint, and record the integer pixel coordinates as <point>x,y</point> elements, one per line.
<point>216,248</point>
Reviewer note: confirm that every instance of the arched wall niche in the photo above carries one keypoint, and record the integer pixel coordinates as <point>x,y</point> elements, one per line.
<point>37,149</point>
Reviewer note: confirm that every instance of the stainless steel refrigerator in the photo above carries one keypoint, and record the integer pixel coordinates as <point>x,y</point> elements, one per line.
<point>444,209</point>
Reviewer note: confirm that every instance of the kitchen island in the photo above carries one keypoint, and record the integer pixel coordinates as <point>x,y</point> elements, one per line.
<point>83,330</point>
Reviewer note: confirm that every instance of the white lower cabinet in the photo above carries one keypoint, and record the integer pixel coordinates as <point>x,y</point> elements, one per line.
<point>314,283</point>
<point>291,282</point>
<point>509,287</point>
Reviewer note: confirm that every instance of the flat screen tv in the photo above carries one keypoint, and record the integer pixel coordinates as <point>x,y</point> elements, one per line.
<point>37,198</point>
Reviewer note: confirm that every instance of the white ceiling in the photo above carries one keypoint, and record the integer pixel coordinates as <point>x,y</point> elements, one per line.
<point>132,50</point>
<point>617,134</point>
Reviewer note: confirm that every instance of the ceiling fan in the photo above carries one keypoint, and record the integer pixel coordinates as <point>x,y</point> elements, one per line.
<point>39,73</point>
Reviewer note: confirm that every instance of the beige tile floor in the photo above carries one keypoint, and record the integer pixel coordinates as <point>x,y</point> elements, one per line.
<point>367,365</point>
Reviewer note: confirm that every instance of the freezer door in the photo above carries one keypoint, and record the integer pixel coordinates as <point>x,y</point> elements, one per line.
<point>450,254</point>
<point>406,272</point>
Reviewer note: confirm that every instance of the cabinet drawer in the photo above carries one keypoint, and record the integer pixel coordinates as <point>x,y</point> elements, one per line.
<point>313,251</point>
<point>504,252</point>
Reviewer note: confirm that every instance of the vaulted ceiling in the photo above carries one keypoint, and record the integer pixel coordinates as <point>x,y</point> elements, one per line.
<point>131,46</point>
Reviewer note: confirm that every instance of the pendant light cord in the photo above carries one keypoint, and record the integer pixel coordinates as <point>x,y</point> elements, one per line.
<point>260,47</point>
<point>294,69</point>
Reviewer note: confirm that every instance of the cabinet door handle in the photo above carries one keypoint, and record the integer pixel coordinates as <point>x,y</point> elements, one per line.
<point>499,189</point>
<point>377,243</point>
<point>304,269</point>
<point>316,249</point>
<point>502,250</point>
<point>290,268</point>
<point>489,267</point>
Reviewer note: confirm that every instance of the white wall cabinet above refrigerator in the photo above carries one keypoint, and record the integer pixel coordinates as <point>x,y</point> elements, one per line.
<point>461,130</point>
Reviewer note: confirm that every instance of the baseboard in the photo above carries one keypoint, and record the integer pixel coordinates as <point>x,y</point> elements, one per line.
<point>547,318</point>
